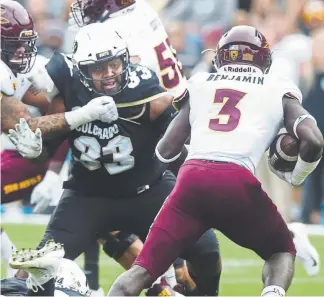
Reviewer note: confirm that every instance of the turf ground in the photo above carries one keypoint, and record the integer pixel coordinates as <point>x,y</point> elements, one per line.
<point>241,268</point>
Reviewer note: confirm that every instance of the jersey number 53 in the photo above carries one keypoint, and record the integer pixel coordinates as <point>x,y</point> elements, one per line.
<point>170,68</point>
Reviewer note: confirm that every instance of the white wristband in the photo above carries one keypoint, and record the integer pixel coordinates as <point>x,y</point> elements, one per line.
<point>76,118</point>
<point>302,170</point>
<point>163,160</point>
<point>299,120</point>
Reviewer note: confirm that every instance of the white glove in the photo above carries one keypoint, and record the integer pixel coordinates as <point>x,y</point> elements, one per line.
<point>27,143</point>
<point>101,108</point>
<point>286,176</point>
<point>43,193</point>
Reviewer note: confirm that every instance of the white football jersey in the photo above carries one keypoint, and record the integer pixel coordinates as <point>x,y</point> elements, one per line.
<point>17,86</point>
<point>235,116</point>
<point>12,85</point>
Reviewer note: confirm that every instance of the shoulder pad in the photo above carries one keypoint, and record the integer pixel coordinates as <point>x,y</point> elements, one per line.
<point>60,70</point>
<point>143,87</point>
<point>286,86</point>
<point>7,80</point>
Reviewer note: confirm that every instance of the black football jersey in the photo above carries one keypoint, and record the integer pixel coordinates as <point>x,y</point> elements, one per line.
<point>118,158</point>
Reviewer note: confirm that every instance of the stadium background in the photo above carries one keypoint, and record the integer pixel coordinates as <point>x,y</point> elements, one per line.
<point>194,25</point>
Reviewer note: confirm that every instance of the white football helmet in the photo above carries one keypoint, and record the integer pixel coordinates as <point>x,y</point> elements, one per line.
<point>70,280</point>
<point>95,44</point>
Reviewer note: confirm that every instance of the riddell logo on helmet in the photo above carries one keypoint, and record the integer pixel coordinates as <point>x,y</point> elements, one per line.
<point>239,69</point>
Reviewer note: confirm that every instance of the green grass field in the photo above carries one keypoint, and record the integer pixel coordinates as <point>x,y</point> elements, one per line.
<point>241,268</point>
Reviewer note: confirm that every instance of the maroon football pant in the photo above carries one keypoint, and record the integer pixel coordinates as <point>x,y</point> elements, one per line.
<point>19,176</point>
<point>223,196</point>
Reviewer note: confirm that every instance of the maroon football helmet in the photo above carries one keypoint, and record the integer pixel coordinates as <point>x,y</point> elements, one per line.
<point>91,11</point>
<point>18,37</point>
<point>243,45</point>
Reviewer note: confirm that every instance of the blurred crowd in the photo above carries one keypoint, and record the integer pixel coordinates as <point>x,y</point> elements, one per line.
<point>294,29</point>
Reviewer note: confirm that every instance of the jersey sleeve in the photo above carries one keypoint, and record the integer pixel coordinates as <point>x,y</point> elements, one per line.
<point>60,71</point>
<point>143,87</point>
<point>285,85</point>
<point>6,80</point>
<point>290,87</point>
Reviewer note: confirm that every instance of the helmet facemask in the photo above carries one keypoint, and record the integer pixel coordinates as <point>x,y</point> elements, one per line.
<point>93,74</point>
<point>19,62</point>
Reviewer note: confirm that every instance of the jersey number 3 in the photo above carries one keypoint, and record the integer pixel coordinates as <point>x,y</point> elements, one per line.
<point>229,116</point>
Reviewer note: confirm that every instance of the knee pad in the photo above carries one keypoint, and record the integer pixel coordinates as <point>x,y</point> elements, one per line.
<point>116,245</point>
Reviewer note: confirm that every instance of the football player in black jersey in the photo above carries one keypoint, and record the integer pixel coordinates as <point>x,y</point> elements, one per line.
<point>115,183</point>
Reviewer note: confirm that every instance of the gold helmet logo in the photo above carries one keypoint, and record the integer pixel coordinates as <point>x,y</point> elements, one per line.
<point>3,20</point>
<point>234,54</point>
<point>28,33</point>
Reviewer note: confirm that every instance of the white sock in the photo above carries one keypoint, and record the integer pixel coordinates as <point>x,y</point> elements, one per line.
<point>7,247</point>
<point>273,291</point>
<point>170,277</point>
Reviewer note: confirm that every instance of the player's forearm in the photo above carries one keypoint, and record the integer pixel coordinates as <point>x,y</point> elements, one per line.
<point>175,165</point>
<point>11,111</point>
<point>175,137</point>
<point>51,125</point>
<point>311,141</point>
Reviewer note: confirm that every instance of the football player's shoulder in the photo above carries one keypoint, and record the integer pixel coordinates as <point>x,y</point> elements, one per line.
<point>284,85</point>
<point>7,80</point>
<point>198,78</point>
<point>60,69</point>
<point>141,77</point>
<point>143,85</point>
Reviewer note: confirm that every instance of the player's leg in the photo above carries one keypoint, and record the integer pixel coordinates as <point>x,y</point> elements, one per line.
<point>143,211</point>
<point>75,223</point>
<point>91,268</point>
<point>204,264</point>
<point>246,215</point>
<point>184,280</point>
<point>172,231</point>
<point>123,247</point>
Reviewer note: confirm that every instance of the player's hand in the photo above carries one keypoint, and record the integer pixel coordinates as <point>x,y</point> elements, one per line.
<point>43,193</point>
<point>286,176</point>
<point>102,108</point>
<point>27,143</point>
